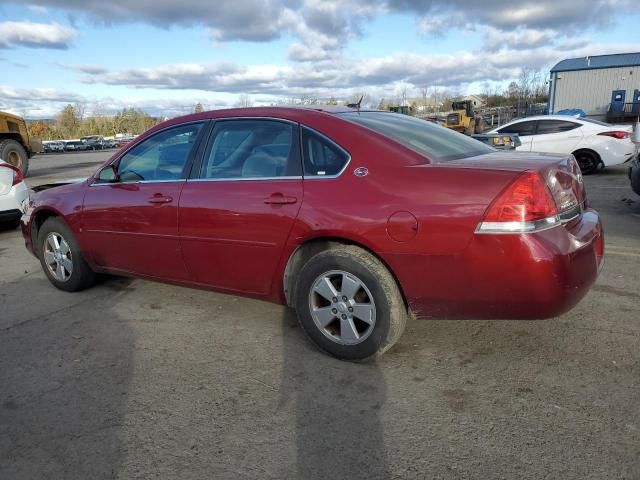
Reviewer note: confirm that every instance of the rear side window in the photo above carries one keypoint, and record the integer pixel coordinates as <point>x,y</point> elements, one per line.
<point>321,156</point>
<point>523,129</point>
<point>555,126</point>
<point>433,141</point>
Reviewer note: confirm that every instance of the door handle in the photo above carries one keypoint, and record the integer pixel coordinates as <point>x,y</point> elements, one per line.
<point>159,198</point>
<point>279,199</point>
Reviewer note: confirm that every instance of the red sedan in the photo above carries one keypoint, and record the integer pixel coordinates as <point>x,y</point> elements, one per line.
<point>354,218</point>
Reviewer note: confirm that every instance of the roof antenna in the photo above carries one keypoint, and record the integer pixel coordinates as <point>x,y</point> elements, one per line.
<point>356,105</point>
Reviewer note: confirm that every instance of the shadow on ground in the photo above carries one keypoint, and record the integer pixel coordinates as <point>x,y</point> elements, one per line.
<point>64,380</point>
<point>337,405</point>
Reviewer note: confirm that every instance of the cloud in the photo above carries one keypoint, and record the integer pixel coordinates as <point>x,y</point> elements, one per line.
<point>340,76</point>
<point>510,15</point>
<point>35,35</point>
<point>521,38</point>
<point>48,102</point>
<point>323,28</point>
<point>88,69</point>
<point>325,77</point>
<point>38,9</point>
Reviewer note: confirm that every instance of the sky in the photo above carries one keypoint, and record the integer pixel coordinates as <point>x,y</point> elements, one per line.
<point>163,56</point>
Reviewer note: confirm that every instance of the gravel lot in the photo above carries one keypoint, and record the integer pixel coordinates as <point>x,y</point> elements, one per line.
<point>133,379</point>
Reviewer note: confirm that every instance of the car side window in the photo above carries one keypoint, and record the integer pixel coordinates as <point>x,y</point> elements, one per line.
<point>321,156</point>
<point>252,149</point>
<point>523,129</point>
<point>555,126</point>
<point>161,157</point>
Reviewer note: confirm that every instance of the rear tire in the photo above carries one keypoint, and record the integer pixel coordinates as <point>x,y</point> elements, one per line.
<point>367,315</point>
<point>61,259</point>
<point>15,154</point>
<point>588,161</point>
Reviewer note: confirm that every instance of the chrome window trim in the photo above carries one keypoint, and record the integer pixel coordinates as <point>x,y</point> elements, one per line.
<point>285,120</point>
<point>98,183</point>
<point>241,179</point>
<point>330,141</point>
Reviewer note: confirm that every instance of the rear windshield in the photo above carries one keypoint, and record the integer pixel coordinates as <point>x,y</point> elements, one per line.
<point>433,141</point>
<point>597,122</point>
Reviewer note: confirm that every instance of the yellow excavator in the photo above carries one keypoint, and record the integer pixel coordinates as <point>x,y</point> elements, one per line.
<point>16,147</point>
<point>463,120</point>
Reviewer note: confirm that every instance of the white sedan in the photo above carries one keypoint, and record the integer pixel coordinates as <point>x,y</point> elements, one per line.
<point>593,143</point>
<point>13,195</point>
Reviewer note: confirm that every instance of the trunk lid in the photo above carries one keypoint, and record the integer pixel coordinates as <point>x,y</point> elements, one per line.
<point>512,161</point>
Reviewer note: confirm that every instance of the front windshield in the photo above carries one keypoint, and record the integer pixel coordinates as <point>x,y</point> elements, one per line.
<point>433,141</point>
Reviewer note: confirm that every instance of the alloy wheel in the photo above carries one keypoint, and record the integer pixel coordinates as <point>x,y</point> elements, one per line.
<point>58,257</point>
<point>342,307</point>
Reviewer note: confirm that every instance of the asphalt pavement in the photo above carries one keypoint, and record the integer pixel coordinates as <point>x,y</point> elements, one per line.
<point>133,379</point>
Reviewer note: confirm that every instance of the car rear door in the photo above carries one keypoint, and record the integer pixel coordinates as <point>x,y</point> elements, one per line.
<point>557,136</point>
<point>525,129</point>
<point>237,210</point>
<point>131,223</point>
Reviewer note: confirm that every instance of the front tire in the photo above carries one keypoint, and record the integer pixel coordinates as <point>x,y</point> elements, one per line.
<point>61,259</point>
<point>15,154</point>
<point>349,304</point>
<point>634,177</point>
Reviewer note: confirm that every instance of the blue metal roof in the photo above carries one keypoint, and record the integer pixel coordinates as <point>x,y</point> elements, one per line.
<point>598,61</point>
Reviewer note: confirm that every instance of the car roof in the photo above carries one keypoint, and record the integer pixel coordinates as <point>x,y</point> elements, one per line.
<point>288,112</point>
<point>547,117</point>
<point>276,111</point>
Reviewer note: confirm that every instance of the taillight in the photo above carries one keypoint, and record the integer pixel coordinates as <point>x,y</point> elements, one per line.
<point>17,173</point>
<point>534,202</point>
<point>527,205</point>
<point>619,134</point>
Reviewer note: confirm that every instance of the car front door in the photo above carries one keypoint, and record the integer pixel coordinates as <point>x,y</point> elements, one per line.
<point>557,136</point>
<point>130,219</point>
<point>525,129</point>
<point>237,212</point>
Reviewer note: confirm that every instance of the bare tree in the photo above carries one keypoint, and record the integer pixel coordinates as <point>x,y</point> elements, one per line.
<point>80,109</point>
<point>486,93</point>
<point>244,101</point>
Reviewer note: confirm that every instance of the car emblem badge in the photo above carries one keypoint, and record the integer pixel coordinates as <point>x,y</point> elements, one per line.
<point>361,172</point>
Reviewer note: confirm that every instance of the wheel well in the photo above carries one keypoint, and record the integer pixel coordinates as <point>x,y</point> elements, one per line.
<point>37,223</point>
<point>590,151</point>
<point>312,247</point>
<point>13,136</point>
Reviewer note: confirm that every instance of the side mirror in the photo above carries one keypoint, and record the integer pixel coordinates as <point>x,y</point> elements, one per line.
<point>108,174</point>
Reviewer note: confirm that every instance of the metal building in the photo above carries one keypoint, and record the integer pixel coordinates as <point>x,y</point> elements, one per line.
<point>606,87</point>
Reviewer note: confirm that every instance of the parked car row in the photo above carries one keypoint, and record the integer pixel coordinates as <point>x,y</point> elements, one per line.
<point>83,144</point>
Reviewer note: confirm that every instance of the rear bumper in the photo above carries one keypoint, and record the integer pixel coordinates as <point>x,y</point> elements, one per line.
<point>527,276</point>
<point>10,216</point>
<point>12,202</point>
